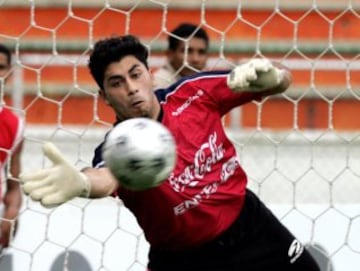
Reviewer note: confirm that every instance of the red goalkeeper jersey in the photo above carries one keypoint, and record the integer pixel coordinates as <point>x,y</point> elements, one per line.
<point>11,128</point>
<point>205,192</point>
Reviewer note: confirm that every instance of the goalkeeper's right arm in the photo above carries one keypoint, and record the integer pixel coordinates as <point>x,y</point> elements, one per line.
<point>63,182</point>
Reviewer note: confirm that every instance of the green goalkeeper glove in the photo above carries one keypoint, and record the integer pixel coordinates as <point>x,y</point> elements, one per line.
<point>255,75</point>
<point>57,184</point>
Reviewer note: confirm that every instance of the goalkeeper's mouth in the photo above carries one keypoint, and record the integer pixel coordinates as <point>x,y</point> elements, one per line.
<point>137,104</point>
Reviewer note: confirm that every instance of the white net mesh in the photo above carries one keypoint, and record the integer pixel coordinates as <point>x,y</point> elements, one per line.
<point>301,150</point>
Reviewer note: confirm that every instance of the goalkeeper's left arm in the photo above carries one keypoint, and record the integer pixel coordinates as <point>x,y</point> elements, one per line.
<point>259,75</point>
<point>63,182</point>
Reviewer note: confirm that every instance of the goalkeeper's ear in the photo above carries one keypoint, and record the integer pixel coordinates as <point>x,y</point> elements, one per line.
<point>102,94</point>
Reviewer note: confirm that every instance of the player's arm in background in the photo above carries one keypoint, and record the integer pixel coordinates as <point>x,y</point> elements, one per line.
<point>12,199</point>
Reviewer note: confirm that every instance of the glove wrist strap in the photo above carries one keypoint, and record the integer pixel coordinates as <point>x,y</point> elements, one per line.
<point>85,193</point>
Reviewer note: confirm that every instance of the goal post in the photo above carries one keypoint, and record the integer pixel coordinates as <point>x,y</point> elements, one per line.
<point>301,149</point>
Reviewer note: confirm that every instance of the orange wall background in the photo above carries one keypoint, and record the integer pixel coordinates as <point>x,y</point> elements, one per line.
<point>310,24</point>
<point>309,27</point>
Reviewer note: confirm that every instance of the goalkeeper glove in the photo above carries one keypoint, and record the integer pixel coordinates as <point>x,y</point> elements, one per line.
<point>256,75</point>
<point>57,184</point>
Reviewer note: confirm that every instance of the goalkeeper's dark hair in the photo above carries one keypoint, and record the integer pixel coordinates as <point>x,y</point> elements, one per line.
<point>113,49</point>
<point>6,51</point>
<point>186,30</point>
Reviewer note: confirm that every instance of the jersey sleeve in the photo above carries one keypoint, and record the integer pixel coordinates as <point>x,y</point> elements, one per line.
<point>214,84</point>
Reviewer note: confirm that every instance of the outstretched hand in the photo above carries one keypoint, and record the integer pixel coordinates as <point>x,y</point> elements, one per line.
<point>57,184</point>
<point>255,75</point>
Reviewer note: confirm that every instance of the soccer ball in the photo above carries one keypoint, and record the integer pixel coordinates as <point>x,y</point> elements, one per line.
<point>140,153</point>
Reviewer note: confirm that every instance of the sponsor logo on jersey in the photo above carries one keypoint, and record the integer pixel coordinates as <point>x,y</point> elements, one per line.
<point>209,154</point>
<point>188,102</point>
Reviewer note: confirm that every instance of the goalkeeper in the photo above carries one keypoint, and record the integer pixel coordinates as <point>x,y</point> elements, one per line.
<point>203,217</point>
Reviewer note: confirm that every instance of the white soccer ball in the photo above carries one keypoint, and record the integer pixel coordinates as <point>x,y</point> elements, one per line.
<point>140,153</point>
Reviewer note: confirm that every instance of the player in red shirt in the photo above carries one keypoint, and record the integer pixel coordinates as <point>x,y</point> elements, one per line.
<point>203,217</point>
<point>11,132</point>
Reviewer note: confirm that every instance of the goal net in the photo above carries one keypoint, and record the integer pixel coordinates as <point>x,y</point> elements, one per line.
<point>301,149</point>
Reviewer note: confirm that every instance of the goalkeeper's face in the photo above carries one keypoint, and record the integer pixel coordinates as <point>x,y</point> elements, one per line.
<point>128,89</point>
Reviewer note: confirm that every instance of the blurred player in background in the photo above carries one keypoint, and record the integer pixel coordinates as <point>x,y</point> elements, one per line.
<point>197,54</point>
<point>202,217</point>
<point>11,136</point>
